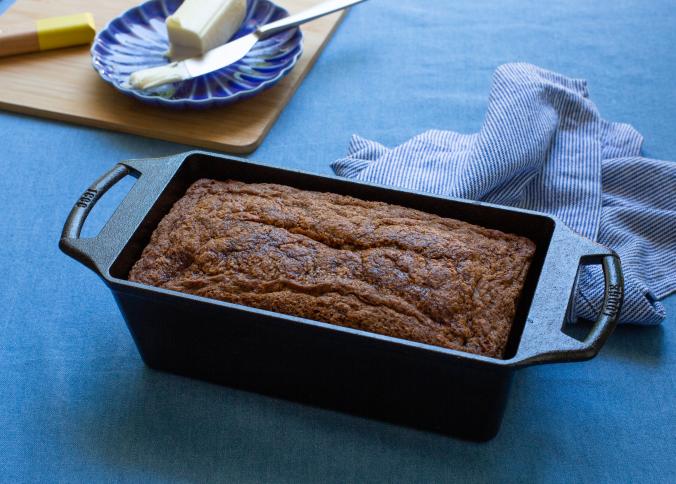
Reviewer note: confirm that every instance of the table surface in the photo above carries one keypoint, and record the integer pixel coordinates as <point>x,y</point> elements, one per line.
<point>77,404</point>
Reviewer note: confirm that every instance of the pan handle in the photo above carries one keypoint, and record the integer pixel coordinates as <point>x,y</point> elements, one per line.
<point>99,252</point>
<point>81,209</point>
<point>542,340</point>
<point>612,302</point>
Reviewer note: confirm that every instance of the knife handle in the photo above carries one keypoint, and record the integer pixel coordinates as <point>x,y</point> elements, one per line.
<point>46,34</point>
<point>317,11</point>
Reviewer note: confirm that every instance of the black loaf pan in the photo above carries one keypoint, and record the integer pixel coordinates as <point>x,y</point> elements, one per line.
<point>425,386</point>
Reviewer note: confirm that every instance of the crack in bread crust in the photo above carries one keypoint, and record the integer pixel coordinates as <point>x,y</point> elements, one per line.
<point>367,265</point>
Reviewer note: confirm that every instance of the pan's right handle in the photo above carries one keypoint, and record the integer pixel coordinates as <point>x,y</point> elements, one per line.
<point>613,296</point>
<point>99,252</point>
<point>543,340</point>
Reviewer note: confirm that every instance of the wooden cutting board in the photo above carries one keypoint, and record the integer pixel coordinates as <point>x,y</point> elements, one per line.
<point>62,85</point>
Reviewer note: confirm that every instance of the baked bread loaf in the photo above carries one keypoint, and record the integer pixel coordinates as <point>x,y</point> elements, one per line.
<point>367,265</point>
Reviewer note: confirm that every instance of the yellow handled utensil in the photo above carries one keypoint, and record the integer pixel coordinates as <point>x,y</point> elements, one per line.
<point>46,34</point>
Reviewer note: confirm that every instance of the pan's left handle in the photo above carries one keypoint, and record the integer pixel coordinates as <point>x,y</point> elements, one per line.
<point>89,251</point>
<point>99,252</point>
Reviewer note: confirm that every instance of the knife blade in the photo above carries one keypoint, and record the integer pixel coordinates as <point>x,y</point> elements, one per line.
<point>231,52</point>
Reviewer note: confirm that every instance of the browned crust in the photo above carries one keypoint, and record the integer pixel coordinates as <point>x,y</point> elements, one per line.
<point>367,265</point>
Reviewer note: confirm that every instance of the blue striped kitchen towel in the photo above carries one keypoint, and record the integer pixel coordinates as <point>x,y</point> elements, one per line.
<point>543,146</point>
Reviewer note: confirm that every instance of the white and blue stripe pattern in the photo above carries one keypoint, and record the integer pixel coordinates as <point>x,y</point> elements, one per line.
<point>543,146</point>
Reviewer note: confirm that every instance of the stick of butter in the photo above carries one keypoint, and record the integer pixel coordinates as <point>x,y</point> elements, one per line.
<point>201,25</point>
<point>46,34</point>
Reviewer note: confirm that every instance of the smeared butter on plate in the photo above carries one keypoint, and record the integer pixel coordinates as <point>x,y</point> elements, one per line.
<point>157,76</point>
<point>200,25</point>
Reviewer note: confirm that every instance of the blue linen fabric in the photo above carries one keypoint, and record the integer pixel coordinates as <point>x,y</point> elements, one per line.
<point>5,4</point>
<point>543,146</point>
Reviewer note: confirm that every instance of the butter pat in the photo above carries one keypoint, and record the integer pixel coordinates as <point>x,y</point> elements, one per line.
<point>200,25</point>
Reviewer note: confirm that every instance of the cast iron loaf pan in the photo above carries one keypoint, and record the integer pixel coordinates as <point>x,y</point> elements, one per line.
<point>416,384</point>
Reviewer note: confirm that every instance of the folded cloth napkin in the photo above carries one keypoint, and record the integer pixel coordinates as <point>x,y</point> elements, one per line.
<point>543,146</point>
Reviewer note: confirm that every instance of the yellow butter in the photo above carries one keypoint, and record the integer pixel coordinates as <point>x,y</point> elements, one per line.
<point>57,32</point>
<point>201,25</point>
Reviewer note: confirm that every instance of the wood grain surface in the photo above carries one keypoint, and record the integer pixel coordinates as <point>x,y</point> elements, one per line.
<point>62,85</point>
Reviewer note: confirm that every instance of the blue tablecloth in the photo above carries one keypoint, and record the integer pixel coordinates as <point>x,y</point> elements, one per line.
<point>77,404</point>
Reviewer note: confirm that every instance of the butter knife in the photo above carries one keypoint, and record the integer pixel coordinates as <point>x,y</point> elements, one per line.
<point>231,52</point>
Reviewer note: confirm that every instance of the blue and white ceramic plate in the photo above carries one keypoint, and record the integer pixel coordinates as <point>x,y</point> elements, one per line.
<point>138,39</point>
